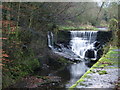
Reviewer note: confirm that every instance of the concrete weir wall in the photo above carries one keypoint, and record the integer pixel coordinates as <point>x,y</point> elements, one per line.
<point>64,36</point>
<point>103,74</point>
<point>104,36</point>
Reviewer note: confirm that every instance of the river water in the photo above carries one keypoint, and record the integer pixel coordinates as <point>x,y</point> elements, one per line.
<point>83,50</point>
<point>79,44</point>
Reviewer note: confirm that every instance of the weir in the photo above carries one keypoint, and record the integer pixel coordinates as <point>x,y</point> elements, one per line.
<point>81,45</point>
<point>82,41</point>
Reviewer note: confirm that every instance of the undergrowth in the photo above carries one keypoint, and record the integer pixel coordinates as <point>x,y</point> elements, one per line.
<point>18,58</point>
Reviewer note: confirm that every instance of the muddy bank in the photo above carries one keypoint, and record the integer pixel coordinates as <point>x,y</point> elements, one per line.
<point>38,82</point>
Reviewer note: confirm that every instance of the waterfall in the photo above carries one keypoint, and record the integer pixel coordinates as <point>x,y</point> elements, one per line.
<point>81,41</point>
<point>50,40</point>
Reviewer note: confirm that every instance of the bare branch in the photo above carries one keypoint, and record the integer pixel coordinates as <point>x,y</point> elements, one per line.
<point>100,10</point>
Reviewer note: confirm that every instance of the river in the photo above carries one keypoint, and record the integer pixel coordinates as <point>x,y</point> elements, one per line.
<point>83,49</point>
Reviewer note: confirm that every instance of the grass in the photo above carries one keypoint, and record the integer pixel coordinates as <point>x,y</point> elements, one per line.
<point>77,28</point>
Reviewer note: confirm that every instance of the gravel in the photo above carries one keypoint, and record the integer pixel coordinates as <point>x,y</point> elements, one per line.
<point>101,81</point>
<point>104,81</point>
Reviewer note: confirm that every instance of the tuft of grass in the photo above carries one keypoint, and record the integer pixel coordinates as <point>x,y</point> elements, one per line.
<point>77,28</point>
<point>102,72</point>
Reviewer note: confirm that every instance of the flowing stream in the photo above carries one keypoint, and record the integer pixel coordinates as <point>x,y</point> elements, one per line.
<point>82,47</point>
<point>81,41</point>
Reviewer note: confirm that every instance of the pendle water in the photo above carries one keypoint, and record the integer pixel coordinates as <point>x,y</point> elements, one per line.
<point>80,48</point>
<point>80,42</point>
<point>84,46</point>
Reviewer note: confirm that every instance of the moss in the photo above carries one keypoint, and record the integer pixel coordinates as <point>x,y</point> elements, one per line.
<point>102,65</point>
<point>113,52</point>
<point>102,72</point>
<point>103,62</point>
<point>111,67</point>
<point>87,76</point>
<point>73,86</point>
<point>82,79</point>
<point>63,60</point>
<point>113,24</point>
<point>77,28</point>
<point>82,84</point>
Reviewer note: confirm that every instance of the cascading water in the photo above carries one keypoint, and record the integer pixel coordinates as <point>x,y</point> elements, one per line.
<point>80,44</point>
<point>50,40</point>
<point>82,47</point>
<point>81,41</point>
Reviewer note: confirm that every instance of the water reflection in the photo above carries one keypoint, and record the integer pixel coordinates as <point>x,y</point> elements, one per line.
<point>76,71</point>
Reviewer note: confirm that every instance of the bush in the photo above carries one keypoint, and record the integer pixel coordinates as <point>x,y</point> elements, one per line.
<point>20,62</point>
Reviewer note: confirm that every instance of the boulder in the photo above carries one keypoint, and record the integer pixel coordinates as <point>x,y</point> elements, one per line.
<point>90,53</point>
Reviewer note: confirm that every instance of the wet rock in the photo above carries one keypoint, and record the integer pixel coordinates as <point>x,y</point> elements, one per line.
<point>90,53</point>
<point>97,45</point>
<point>63,37</point>
<point>104,36</point>
<point>45,66</point>
<point>34,82</point>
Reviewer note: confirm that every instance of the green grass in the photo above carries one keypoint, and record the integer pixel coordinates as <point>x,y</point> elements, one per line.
<point>77,28</point>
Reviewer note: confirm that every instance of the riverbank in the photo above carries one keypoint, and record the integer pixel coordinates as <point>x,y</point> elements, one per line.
<point>18,59</point>
<point>84,27</point>
<point>103,74</point>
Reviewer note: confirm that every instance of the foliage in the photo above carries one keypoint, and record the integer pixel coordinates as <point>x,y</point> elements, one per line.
<point>18,59</point>
<point>39,15</point>
<point>113,24</point>
<point>24,36</point>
